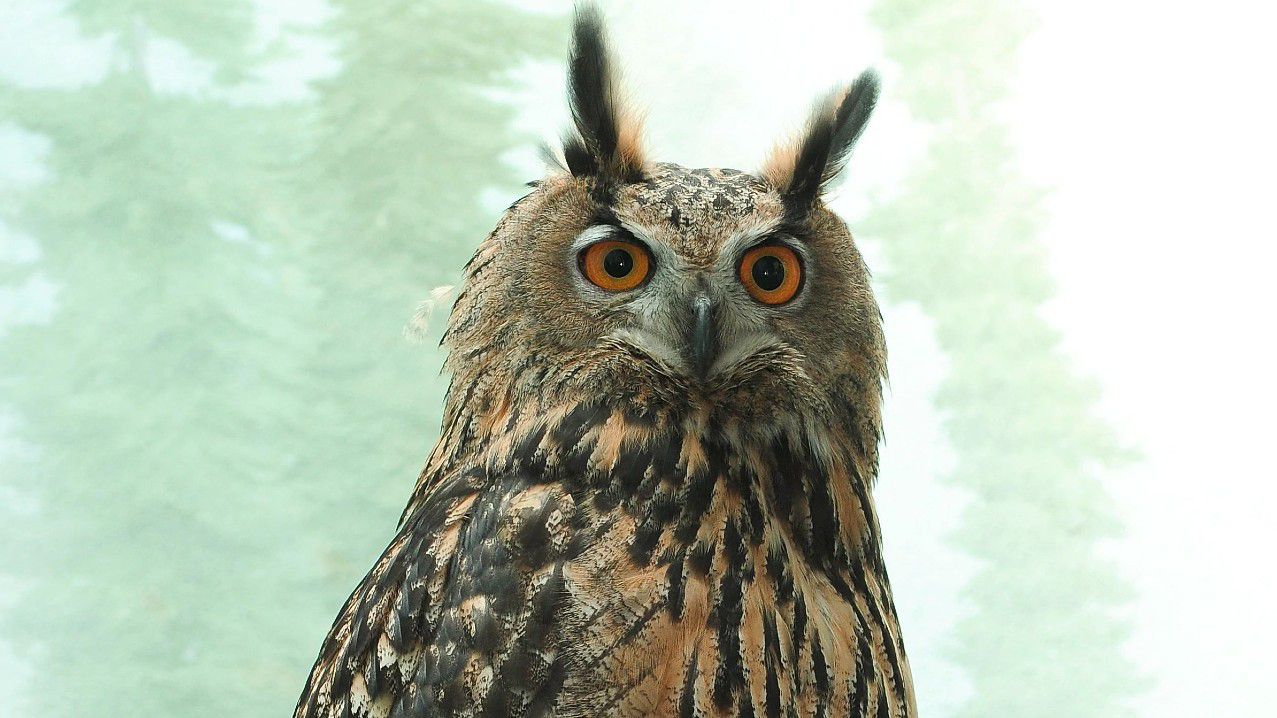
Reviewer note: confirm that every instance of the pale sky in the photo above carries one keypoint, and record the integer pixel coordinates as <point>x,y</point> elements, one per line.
<point>1160,238</point>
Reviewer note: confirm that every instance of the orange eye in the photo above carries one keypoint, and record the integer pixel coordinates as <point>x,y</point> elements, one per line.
<point>615,265</point>
<point>771,273</point>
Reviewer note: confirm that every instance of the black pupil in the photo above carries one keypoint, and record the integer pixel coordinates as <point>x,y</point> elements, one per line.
<point>769,273</point>
<point>618,264</point>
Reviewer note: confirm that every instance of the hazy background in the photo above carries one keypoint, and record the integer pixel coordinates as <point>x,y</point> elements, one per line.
<point>216,220</point>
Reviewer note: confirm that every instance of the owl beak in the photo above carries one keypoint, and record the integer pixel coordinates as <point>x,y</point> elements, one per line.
<point>703,339</point>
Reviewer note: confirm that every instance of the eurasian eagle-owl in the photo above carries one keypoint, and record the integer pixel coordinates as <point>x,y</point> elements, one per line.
<point>651,494</point>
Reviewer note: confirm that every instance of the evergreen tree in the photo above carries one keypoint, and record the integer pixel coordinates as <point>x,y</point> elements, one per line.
<point>156,401</point>
<point>1045,635</point>
<point>407,137</point>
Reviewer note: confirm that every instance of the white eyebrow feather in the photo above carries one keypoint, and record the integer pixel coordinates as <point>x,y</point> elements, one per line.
<point>592,234</point>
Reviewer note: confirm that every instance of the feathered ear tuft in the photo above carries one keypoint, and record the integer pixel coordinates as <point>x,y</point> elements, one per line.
<point>802,169</point>
<point>607,142</point>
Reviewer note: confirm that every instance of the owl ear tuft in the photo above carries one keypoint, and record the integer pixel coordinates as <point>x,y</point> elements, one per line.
<point>607,142</point>
<point>803,167</point>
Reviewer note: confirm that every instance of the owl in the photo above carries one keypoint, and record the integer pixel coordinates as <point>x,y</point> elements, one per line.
<point>651,494</point>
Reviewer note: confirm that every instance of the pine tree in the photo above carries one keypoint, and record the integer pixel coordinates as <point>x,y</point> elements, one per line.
<point>408,137</point>
<point>146,559</point>
<point>1044,637</point>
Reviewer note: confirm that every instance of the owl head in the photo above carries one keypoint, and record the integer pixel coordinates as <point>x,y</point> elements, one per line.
<point>733,295</point>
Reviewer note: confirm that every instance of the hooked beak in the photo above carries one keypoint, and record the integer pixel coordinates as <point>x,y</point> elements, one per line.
<point>702,340</point>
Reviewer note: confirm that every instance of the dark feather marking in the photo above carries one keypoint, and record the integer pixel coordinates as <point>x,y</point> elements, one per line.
<point>753,512</point>
<point>696,500</point>
<point>527,452</point>
<point>661,508</point>
<point>771,664</point>
<point>780,574</point>
<point>775,564</point>
<point>799,632</point>
<point>664,453</point>
<point>630,474</point>
<point>606,499</point>
<point>533,537</point>
<point>641,546</point>
<point>454,697</point>
<point>496,704</point>
<point>574,464</point>
<point>729,676</point>
<point>859,700</point>
<point>821,671</point>
<point>517,667</point>
<point>786,478</point>
<point>543,702</point>
<point>425,702</point>
<point>675,582</point>
<point>487,634</point>
<point>578,543</point>
<point>545,603</point>
<point>606,214</point>
<point>372,677</point>
<point>583,417</point>
<point>640,415</point>
<point>687,701</point>
<point>824,524</point>
<point>701,557</point>
<point>699,492</point>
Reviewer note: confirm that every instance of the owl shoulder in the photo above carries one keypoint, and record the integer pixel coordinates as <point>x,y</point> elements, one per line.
<point>469,582</point>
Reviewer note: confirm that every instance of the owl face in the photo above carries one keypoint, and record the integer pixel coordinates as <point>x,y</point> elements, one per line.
<point>695,269</point>
<point>737,291</point>
<point>700,273</point>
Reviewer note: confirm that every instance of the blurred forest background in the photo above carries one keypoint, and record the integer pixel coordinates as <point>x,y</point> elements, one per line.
<point>217,219</point>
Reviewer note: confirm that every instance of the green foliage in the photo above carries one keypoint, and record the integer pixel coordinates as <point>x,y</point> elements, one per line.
<point>223,418</point>
<point>1045,635</point>
<point>405,138</point>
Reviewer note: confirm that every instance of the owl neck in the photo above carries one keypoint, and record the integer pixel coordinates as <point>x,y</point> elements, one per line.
<point>684,476</point>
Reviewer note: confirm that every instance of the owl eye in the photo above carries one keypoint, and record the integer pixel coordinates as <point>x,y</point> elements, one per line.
<point>772,273</point>
<point>615,265</point>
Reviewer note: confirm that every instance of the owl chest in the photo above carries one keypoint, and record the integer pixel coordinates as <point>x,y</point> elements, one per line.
<point>710,635</point>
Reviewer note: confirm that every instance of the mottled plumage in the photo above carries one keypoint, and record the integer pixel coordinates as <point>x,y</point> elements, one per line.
<point>653,501</point>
